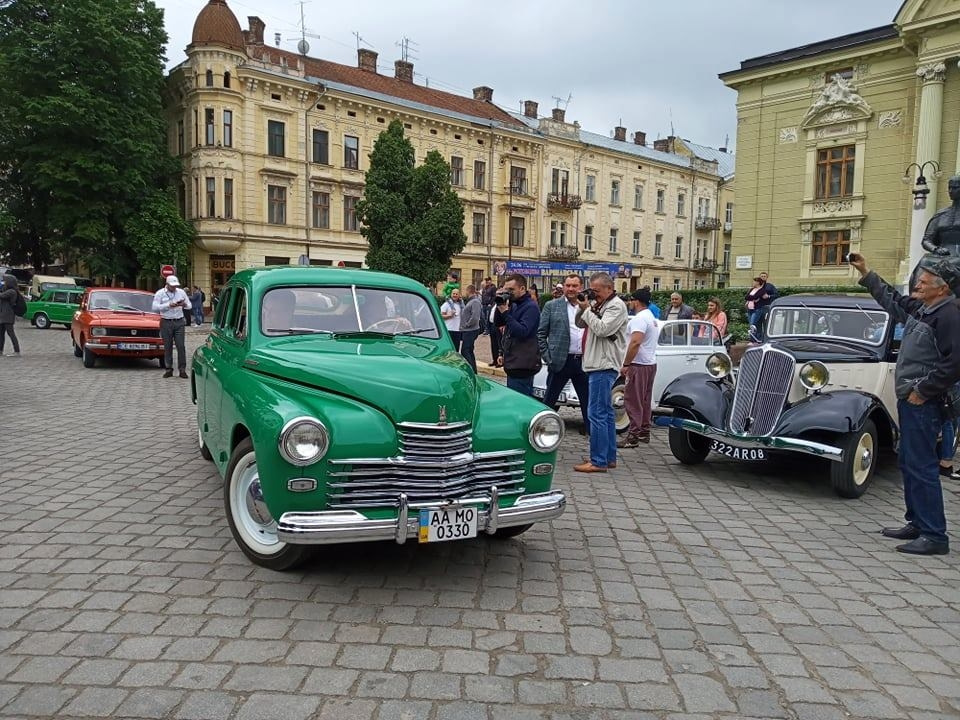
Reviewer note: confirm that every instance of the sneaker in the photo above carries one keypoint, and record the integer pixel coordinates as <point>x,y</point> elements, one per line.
<point>183,374</point>
<point>946,471</point>
<point>629,441</point>
<point>168,373</point>
<point>644,438</point>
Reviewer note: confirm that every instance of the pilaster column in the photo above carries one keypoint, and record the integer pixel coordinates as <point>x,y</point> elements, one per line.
<point>928,148</point>
<point>958,142</point>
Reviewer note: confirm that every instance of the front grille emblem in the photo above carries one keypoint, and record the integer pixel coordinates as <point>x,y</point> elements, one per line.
<point>133,332</point>
<point>442,415</point>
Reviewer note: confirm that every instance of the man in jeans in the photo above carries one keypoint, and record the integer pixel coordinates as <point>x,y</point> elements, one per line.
<point>470,325</point>
<point>520,318</point>
<point>604,320</point>
<point>172,302</point>
<point>640,369</point>
<point>928,366</point>
<point>488,294</point>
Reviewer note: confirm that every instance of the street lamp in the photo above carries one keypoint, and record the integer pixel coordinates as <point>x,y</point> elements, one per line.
<point>920,190</point>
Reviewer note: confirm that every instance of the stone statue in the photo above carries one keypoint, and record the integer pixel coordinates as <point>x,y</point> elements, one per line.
<point>942,236</point>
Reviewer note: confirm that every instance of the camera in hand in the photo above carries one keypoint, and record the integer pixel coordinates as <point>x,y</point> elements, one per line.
<point>504,298</point>
<point>588,294</point>
<point>852,257</point>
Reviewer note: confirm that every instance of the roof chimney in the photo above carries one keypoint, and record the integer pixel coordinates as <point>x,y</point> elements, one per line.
<point>663,145</point>
<point>530,109</point>
<point>640,138</point>
<point>558,114</point>
<point>483,93</point>
<point>403,70</point>
<point>257,26</point>
<point>620,133</point>
<point>367,60</point>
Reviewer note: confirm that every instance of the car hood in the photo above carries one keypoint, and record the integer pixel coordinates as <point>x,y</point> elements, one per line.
<point>111,318</point>
<point>410,380</point>
<point>828,350</point>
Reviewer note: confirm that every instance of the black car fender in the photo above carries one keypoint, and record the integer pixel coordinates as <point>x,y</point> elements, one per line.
<point>836,412</point>
<point>699,396</point>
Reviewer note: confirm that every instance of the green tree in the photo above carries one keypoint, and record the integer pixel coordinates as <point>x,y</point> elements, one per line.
<point>412,219</point>
<point>82,129</point>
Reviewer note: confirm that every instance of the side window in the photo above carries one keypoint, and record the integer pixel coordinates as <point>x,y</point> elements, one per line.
<point>240,316</point>
<point>223,305</point>
<point>60,297</point>
<point>672,334</point>
<point>76,298</point>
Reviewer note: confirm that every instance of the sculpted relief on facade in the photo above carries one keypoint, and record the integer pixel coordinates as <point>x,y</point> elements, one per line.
<point>838,101</point>
<point>890,119</point>
<point>787,135</point>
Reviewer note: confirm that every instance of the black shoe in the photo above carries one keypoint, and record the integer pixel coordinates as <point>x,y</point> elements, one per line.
<point>924,546</point>
<point>183,374</point>
<point>644,438</point>
<point>907,532</point>
<point>168,373</point>
<point>946,471</point>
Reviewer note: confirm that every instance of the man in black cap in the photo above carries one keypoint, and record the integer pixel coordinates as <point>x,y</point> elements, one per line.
<point>928,366</point>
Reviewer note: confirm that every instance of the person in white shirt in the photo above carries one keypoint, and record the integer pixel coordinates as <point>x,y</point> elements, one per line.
<point>450,311</point>
<point>640,369</point>
<point>170,301</point>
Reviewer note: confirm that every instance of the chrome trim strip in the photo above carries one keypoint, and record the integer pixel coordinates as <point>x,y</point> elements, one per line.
<point>493,517</point>
<point>402,514</point>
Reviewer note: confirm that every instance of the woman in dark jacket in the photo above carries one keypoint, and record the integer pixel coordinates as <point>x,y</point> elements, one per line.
<point>8,296</point>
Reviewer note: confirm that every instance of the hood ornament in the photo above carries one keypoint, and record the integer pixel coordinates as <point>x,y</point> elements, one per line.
<point>442,420</point>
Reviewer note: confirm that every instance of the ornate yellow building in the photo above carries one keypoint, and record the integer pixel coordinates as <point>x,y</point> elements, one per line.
<point>275,146</point>
<point>825,135</point>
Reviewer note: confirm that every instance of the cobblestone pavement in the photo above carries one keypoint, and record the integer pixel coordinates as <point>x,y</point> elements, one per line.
<point>723,591</point>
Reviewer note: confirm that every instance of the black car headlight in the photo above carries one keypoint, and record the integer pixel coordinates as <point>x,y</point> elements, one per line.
<point>546,431</point>
<point>814,375</point>
<point>303,441</point>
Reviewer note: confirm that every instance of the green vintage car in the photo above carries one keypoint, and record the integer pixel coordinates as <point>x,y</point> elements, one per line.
<point>54,306</point>
<point>336,409</point>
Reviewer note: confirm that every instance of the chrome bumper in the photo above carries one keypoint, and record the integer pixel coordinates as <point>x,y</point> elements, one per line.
<point>345,526</point>
<point>786,444</point>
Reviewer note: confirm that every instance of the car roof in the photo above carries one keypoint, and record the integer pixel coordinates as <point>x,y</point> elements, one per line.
<point>828,300</point>
<point>288,275</point>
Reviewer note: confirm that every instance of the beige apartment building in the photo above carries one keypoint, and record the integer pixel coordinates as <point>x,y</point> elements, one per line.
<point>275,146</point>
<point>828,133</point>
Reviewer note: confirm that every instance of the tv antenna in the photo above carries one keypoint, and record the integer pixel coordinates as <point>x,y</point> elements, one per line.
<point>672,133</point>
<point>303,47</point>
<point>356,34</point>
<point>406,51</point>
<point>565,102</point>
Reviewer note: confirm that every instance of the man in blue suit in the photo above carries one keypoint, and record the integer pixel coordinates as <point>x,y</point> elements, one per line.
<point>561,346</point>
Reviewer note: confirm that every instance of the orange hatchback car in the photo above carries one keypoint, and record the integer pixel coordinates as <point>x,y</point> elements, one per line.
<point>116,322</point>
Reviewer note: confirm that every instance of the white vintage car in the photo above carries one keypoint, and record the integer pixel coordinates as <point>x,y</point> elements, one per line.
<point>683,347</point>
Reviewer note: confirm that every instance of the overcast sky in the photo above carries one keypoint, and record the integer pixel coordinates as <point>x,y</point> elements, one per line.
<point>635,62</point>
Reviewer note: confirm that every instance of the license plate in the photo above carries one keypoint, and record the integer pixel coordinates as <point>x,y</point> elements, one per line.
<point>562,397</point>
<point>539,393</point>
<point>443,524</point>
<point>134,346</point>
<point>737,453</point>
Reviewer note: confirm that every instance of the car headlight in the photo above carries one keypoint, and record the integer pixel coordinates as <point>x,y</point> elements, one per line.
<point>718,366</point>
<point>98,331</point>
<point>546,431</point>
<point>304,440</point>
<point>814,375</point>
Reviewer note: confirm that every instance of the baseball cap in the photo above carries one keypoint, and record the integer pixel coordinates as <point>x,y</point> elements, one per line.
<point>172,281</point>
<point>643,295</point>
<point>558,286</point>
<point>943,267</point>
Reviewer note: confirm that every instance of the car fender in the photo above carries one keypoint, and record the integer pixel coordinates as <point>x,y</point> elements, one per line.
<point>699,397</point>
<point>840,411</point>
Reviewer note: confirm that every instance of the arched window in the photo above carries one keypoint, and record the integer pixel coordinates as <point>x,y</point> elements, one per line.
<point>226,79</point>
<point>209,78</point>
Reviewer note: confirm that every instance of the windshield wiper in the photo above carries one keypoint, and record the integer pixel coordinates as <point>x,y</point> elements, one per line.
<point>417,331</point>
<point>130,307</point>
<point>300,331</point>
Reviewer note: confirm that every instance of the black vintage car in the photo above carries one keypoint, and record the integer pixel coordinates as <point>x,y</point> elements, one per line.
<point>820,383</point>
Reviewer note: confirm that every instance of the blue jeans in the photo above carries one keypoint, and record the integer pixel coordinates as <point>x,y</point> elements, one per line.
<point>919,464</point>
<point>603,425</point>
<point>522,385</point>
<point>198,314</point>
<point>468,339</point>
<point>947,439</point>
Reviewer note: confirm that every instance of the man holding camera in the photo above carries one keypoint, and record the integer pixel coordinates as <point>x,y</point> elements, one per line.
<point>520,317</point>
<point>603,317</point>
<point>561,346</point>
<point>172,302</point>
<point>928,366</point>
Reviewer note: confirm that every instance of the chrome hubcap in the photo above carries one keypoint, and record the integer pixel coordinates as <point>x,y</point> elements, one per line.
<point>861,469</point>
<point>251,515</point>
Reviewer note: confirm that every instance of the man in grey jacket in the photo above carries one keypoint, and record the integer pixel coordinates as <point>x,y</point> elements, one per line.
<point>8,297</point>
<point>604,320</point>
<point>470,325</point>
<point>561,346</point>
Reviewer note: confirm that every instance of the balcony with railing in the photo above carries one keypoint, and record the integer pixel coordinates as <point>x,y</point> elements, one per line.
<point>562,252</point>
<point>563,201</point>
<point>704,265</point>
<point>707,223</point>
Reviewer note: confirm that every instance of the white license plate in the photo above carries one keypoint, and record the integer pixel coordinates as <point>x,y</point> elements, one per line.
<point>737,453</point>
<point>443,524</point>
<point>134,346</point>
<point>539,393</point>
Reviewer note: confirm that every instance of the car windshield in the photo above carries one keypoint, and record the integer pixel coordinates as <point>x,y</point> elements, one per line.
<point>346,310</point>
<point>849,323</point>
<point>120,300</point>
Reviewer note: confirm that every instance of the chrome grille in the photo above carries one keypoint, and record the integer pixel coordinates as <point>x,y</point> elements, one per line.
<point>132,332</point>
<point>435,463</point>
<point>763,383</point>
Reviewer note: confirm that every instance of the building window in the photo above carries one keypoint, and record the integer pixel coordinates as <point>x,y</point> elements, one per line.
<point>830,247</point>
<point>661,200</point>
<point>479,228</point>
<point>276,205</point>
<point>228,198</point>
<point>479,175</point>
<point>658,245</point>
<point>350,213</point>
<point>226,79</point>
<point>590,194</point>
<point>196,128</point>
<point>560,181</point>
<point>588,237</point>
<point>613,240</point>
<point>275,131</point>
<point>728,218</point>
<point>636,243</point>
<point>351,152</point>
<point>638,197</point>
<point>211,197</point>
<point>516,231</point>
<point>614,192</point>
<point>228,128</point>
<point>276,260</point>
<point>196,197</point>
<point>209,78</point>
<point>699,284</point>
<point>456,171</point>
<point>835,172</point>
<point>558,233</point>
<point>726,258</point>
<point>181,141</point>
<point>208,126</point>
<point>678,248</point>
<point>321,210</point>
<point>321,147</point>
<point>703,207</point>
<point>681,204</point>
<point>676,284</point>
<point>518,182</point>
<point>656,283</point>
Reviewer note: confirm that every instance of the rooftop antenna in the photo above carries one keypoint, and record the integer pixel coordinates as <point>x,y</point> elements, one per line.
<point>303,47</point>
<point>406,52</point>
<point>276,39</point>
<point>672,133</point>
<point>360,40</point>
<point>726,141</point>
<point>561,100</point>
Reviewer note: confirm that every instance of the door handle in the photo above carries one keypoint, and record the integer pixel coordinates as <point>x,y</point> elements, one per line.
<point>692,358</point>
